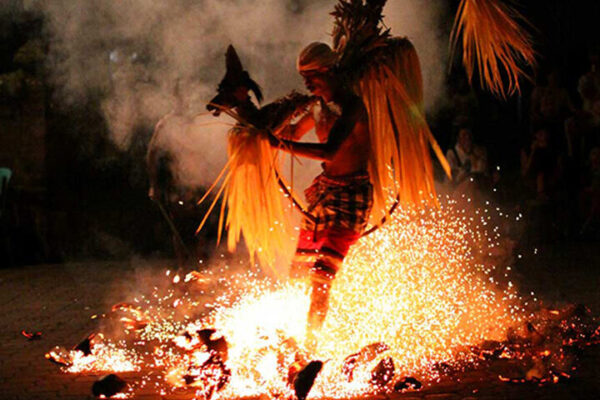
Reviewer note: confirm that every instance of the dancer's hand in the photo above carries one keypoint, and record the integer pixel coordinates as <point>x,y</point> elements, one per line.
<point>273,140</point>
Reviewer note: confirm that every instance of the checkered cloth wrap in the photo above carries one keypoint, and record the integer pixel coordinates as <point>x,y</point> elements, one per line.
<point>341,208</point>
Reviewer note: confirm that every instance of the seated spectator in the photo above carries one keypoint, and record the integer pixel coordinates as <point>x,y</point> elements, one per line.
<point>588,119</point>
<point>540,167</point>
<point>580,134</point>
<point>550,106</point>
<point>464,104</point>
<point>468,163</point>
<point>589,84</point>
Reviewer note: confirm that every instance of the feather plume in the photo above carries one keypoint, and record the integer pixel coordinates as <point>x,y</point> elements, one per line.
<point>253,199</point>
<point>357,31</point>
<point>493,43</point>
<point>400,164</point>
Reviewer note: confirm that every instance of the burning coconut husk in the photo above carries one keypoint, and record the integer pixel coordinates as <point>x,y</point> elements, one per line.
<point>205,340</point>
<point>306,378</point>
<point>108,386</point>
<point>365,355</point>
<point>536,351</point>
<point>65,358</point>
<point>209,377</point>
<point>383,373</point>
<point>31,335</point>
<point>93,354</point>
<point>197,277</point>
<point>60,356</point>
<point>407,383</point>
<point>85,346</point>
<point>217,346</point>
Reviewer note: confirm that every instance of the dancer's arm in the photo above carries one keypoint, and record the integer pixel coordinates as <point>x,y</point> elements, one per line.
<point>298,130</point>
<point>342,128</point>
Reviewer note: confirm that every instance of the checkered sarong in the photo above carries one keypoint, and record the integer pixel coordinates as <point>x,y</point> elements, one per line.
<point>341,208</point>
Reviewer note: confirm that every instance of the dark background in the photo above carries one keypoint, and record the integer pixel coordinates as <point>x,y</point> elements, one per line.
<point>74,195</point>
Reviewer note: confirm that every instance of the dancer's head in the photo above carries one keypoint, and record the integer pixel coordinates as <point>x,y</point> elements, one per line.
<point>316,64</point>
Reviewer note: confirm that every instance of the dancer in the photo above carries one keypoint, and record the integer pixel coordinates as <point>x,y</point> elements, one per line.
<point>341,197</point>
<point>374,140</point>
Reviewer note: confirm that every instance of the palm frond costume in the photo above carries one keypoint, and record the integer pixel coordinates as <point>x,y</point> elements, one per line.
<point>384,71</point>
<point>252,190</point>
<point>494,44</point>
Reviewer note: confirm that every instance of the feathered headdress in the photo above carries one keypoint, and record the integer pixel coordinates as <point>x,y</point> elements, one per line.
<point>385,72</point>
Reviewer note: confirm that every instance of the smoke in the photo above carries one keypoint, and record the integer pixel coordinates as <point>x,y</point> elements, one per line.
<point>134,52</point>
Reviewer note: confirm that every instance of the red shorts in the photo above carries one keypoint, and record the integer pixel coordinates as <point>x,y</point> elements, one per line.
<point>320,254</point>
<point>340,208</point>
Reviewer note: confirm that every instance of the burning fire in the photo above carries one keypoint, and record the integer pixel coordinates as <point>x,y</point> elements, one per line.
<point>104,357</point>
<point>419,284</point>
<point>421,291</point>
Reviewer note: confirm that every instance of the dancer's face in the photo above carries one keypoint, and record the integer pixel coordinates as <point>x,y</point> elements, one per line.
<point>318,83</point>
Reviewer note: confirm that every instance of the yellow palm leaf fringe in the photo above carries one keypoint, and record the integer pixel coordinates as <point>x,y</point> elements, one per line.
<point>494,42</point>
<point>253,202</point>
<point>400,161</point>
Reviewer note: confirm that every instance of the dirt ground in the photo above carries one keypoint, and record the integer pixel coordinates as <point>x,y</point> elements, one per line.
<point>58,300</point>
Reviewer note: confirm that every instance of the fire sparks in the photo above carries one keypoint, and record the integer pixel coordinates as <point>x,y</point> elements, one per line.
<point>103,357</point>
<point>423,285</point>
<point>427,289</point>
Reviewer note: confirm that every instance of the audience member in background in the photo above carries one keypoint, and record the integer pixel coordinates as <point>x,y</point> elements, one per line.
<point>468,162</point>
<point>540,167</point>
<point>581,134</point>
<point>577,130</point>
<point>588,119</point>
<point>550,106</point>
<point>589,85</point>
<point>463,103</point>
<point>590,196</point>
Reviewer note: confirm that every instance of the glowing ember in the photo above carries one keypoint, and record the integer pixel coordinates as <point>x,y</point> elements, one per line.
<point>421,292</point>
<point>31,335</point>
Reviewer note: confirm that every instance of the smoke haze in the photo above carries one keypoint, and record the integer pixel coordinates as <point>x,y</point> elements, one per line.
<point>135,51</point>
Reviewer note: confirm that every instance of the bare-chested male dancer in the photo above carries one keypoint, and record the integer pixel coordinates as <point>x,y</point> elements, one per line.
<point>341,197</point>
